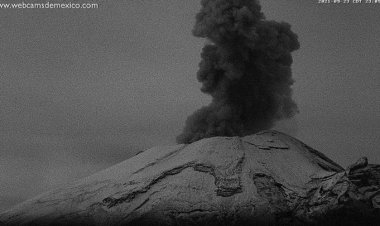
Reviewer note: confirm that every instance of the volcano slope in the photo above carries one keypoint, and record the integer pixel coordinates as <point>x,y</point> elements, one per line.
<point>268,178</point>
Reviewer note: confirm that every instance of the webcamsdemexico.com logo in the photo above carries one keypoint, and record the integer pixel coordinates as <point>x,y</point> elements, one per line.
<point>49,5</point>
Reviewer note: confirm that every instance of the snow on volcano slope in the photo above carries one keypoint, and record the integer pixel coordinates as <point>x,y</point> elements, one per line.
<point>212,180</point>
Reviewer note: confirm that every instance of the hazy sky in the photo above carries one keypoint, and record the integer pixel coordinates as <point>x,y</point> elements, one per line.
<point>81,90</point>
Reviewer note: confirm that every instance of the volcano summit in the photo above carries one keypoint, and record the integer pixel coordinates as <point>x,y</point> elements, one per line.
<point>268,178</point>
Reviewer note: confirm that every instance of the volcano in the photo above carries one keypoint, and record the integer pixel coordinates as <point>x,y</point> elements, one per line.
<point>268,178</point>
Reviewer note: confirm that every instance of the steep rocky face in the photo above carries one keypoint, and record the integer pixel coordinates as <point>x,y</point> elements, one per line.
<point>264,179</point>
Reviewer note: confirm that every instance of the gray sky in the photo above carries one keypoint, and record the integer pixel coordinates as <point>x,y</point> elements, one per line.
<point>81,90</point>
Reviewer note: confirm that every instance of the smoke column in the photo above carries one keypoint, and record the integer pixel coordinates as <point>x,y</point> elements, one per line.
<point>245,67</point>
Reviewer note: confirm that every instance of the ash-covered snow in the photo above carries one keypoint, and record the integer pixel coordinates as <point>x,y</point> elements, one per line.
<point>237,176</point>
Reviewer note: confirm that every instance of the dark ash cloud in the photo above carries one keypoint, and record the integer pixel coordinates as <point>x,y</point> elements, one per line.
<point>245,68</point>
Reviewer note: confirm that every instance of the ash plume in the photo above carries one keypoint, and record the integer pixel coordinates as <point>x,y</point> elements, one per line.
<point>245,67</point>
